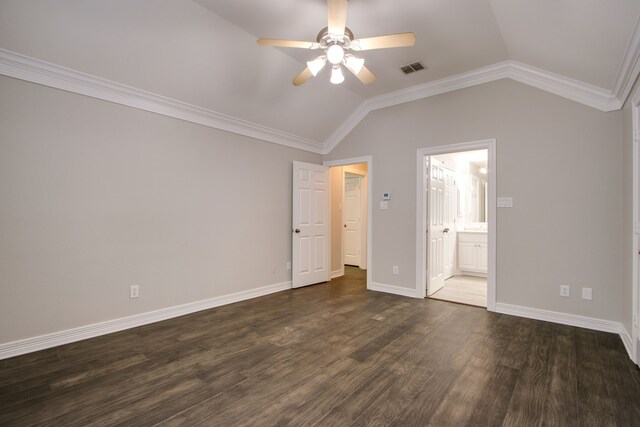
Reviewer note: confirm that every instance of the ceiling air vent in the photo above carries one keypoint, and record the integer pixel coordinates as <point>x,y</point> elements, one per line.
<point>412,68</point>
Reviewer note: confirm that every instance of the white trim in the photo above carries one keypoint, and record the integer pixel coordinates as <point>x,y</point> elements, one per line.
<point>561,318</point>
<point>635,225</point>
<point>16,348</point>
<point>421,250</point>
<point>41,72</point>
<point>396,290</point>
<point>626,340</point>
<point>629,69</point>
<point>369,161</point>
<point>337,273</point>
<point>565,87</point>
<point>575,90</point>
<point>36,71</point>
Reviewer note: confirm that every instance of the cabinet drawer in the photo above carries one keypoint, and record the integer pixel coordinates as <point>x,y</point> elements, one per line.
<point>472,237</point>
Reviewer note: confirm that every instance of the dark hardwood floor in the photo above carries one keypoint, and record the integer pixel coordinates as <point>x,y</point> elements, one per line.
<point>330,354</point>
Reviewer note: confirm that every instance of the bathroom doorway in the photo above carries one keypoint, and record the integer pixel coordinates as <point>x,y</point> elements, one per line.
<point>457,243</point>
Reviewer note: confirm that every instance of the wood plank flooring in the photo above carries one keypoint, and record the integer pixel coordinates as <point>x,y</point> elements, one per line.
<point>333,354</point>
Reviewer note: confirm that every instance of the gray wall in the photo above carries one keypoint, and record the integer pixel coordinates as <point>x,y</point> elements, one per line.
<point>562,162</point>
<point>95,197</point>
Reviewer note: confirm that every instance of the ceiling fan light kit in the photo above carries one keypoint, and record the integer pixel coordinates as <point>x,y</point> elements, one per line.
<point>336,75</point>
<point>335,41</point>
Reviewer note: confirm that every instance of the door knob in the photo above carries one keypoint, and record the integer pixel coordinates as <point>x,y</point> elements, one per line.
<point>446,230</point>
<point>297,230</point>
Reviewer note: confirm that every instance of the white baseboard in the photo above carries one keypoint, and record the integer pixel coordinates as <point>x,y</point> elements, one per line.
<point>571,320</point>
<point>567,319</point>
<point>627,341</point>
<point>16,348</point>
<point>390,289</point>
<point>337,273</point>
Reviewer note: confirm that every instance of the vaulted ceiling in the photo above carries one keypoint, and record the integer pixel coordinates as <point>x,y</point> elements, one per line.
<point>204,53</point>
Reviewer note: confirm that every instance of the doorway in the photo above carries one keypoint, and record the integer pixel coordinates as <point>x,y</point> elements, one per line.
<point>456,223</point>
<point>456,217</point>
<point>354,216</point>
<point>350,215</point>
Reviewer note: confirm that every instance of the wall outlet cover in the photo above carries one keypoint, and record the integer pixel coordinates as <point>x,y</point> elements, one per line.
<point>134,291</point>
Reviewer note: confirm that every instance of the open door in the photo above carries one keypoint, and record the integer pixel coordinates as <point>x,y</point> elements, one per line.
<point>310,218</point>
<point>450,211</point>
<point>436,229</point>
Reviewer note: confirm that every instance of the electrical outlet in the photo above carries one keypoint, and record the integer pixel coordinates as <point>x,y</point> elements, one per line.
<point>565,290</point>
<point>587,294</point>
<point>395,270</point>
<point>288,265</point>
<point>134,291</point>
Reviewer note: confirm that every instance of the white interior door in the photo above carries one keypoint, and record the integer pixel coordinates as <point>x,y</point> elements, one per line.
<point>310,242</point>
<point>352,219</point>
<point>435,225</point>
<point>450,211</point>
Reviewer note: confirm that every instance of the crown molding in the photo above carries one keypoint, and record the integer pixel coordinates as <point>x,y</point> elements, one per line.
<point>575,90</point>
<point>629,69</point>
<point>36,71</point>
<point>565,87</point>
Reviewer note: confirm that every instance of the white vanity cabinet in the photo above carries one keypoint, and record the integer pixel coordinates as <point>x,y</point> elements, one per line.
<point>472,251</point>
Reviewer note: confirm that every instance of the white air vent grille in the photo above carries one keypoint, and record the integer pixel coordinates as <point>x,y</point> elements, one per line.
<point>413,67</point>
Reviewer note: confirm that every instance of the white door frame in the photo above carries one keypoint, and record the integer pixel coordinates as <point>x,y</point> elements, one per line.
<point>354,161</point>
<point>421,250</point>
<point>635,218</point>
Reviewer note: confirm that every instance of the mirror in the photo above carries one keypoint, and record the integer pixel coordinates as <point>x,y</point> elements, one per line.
<point>477,195</point>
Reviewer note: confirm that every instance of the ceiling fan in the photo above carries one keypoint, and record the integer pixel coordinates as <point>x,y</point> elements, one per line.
<point>336,41</point>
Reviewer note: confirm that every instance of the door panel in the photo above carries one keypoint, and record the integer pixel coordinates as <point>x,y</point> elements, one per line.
<point>450,210</point>
<point>310,224</point>
<point>352,220</point>
<point>435,230</point>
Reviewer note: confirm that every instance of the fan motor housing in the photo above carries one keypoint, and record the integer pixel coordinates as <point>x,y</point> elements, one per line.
<point>325,32</point>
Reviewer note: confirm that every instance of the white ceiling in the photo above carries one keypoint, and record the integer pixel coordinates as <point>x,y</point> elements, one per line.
<point>204,52</point>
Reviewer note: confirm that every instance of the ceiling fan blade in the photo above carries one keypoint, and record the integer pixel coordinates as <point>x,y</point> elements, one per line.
<point>302,77</point>
<point>287,43</point>
<point>365,76</point>
<point>337,11</point>
<point>381,42</point>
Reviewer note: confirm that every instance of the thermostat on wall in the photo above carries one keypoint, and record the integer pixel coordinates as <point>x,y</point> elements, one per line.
<point>386,196</point>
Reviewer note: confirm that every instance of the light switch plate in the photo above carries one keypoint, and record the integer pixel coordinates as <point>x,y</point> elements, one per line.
<point>505,202</point>
<point>384,205</point>
<point>587,294</point>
